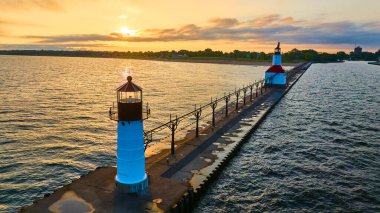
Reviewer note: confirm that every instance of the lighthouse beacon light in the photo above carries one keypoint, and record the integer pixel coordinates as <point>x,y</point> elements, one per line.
<point>131,176</point>
<point>275,75</point>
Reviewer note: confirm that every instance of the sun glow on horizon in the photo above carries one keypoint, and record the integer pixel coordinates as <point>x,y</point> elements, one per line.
<point>127,31</point>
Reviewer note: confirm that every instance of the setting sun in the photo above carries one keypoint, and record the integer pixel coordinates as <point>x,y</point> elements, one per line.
<point>127,31</point>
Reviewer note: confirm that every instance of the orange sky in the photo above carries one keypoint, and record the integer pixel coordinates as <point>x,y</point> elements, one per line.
<point>134,25</point>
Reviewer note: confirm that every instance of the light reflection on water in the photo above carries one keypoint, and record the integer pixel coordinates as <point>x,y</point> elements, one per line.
<point>54,123</point>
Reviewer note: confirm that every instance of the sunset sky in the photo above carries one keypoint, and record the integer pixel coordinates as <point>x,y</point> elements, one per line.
<point>134,25</point>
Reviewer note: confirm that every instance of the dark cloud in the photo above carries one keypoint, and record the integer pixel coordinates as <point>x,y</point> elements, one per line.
<point>261,30</point>
<point>338,33</point>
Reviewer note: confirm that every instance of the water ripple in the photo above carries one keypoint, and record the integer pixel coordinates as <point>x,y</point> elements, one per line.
<point>318,151</point>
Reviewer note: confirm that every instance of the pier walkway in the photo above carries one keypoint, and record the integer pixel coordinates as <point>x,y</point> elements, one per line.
<point>175,184</point>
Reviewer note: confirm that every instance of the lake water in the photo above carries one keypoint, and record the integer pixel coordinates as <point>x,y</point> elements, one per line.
<point>54,123</point>
<point>318,151</point>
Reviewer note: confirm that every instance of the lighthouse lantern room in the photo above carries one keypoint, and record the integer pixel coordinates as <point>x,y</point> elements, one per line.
<point>131,175</point>
<point>275,75</point>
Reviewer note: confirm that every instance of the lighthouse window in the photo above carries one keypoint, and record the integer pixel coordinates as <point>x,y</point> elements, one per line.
<point>130,97</point>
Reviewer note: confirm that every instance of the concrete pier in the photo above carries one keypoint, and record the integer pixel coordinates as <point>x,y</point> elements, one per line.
<point>175,184</point>
<point>375,63</point>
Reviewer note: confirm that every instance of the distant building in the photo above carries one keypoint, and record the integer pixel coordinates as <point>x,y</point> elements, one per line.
<point>358,50</point>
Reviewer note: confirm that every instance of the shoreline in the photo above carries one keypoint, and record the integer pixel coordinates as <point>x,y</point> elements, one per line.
<point>221,61</point>
<point>208,61</point>
<point>374,63</point>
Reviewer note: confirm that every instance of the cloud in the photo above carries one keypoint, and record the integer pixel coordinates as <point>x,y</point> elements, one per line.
<point>4,22</point>
<point>224,22</point>
<point>261,30</point>
<point>266,20</point>
<point>50,46</point>
<point>70,38</point>
<point>52,5</point>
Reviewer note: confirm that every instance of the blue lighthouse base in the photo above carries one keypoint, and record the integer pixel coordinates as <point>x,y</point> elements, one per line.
<point>131,176</point>
<point>275,79</point>
<point>139,187</point>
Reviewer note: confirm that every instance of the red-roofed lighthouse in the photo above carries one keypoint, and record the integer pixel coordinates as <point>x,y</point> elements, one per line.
<point>275,75</point>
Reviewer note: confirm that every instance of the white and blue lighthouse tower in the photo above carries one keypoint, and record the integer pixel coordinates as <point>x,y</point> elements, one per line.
<point>275,75</point>
<point>131,176</point>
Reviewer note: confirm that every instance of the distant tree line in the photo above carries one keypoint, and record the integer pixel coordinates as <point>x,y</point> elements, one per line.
<point>294,55</point>
<point>366,56</point>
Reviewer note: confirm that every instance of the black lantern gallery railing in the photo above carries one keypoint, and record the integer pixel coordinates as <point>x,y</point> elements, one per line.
<point>113,112</point>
